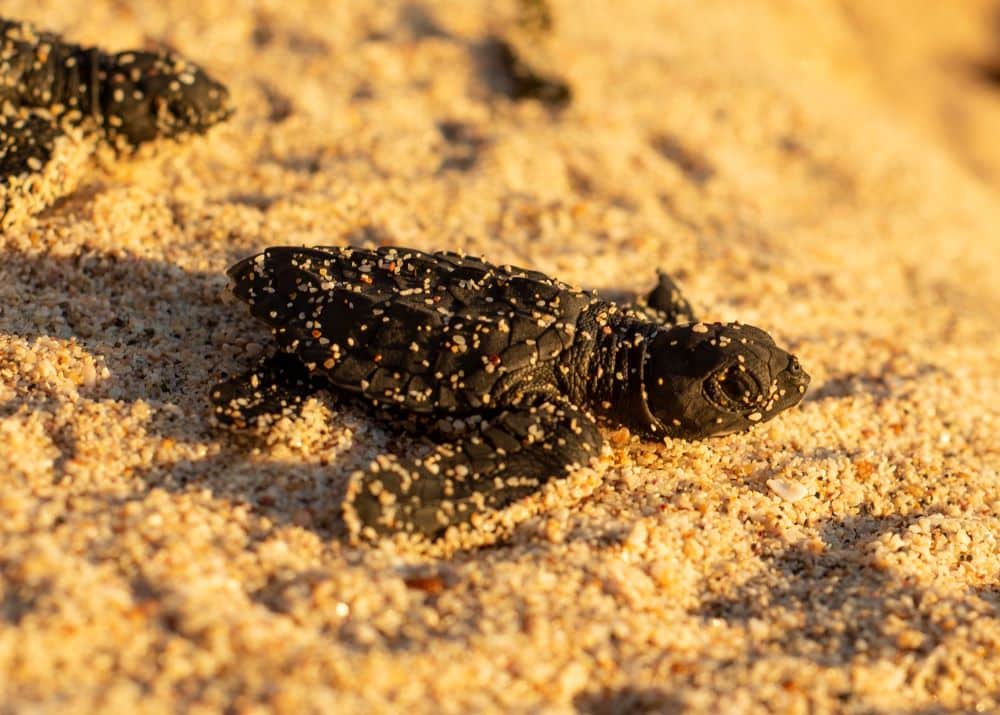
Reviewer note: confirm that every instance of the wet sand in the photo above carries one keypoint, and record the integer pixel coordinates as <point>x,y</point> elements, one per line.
<point>830,175</point>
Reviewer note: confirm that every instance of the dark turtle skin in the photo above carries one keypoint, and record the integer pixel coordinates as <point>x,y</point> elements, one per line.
<point>128,98</point>
<point>525,360</point>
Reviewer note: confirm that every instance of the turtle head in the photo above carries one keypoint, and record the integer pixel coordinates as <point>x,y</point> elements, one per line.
<point>147,95</point>
<point>705,379</point>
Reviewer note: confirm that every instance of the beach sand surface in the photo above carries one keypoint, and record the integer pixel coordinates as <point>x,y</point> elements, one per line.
<point>828,171</point>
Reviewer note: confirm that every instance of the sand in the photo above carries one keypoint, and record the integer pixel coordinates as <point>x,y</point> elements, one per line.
<point>829,172</point>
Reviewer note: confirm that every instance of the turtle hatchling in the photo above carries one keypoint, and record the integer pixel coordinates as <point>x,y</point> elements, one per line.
<point>51,89</point>
<point>527,363</point>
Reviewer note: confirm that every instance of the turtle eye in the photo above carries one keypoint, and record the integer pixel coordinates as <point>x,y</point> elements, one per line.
<point>733,387</point>
<point>737,385</point>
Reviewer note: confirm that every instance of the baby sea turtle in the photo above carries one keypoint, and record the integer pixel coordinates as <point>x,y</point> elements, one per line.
<point>523,361</point>
<point>49,88</point>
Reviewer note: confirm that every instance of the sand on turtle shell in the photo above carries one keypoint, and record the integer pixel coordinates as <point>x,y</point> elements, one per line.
<point>826,172</point>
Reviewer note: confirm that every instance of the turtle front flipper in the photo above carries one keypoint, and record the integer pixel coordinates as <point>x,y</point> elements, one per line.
<point>665,304</point>
<point>276,387</point>
<point>35,167</point>
<point>502,459</point>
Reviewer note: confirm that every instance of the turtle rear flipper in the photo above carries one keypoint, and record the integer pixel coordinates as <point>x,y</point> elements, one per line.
<point>276,387</point>
<point>39,162</point>
<point>506,458</point>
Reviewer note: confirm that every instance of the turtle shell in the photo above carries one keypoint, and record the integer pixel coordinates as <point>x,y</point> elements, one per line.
<point>424,331</point>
